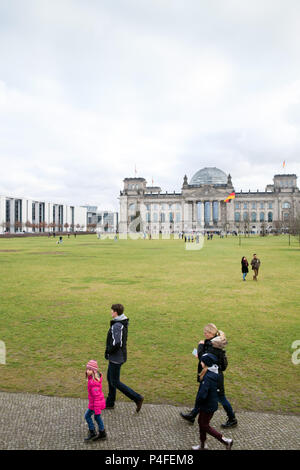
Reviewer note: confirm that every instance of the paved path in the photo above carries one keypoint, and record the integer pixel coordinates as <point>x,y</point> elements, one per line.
<point>42,422</point>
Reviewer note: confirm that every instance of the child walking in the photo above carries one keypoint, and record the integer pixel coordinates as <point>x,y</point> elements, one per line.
<point>96,401</point>
<point>207,401</point>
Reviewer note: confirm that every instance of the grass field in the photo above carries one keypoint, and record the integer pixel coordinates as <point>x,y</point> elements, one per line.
<point>55,313</point>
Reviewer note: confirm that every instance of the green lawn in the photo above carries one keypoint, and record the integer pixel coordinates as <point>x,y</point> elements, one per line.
<point>55,313</point>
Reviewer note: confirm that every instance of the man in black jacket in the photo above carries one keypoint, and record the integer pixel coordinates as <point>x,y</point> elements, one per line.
<point>116,354</point>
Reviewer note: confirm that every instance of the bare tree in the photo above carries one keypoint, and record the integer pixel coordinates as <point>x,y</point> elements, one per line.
<point>263,229</point>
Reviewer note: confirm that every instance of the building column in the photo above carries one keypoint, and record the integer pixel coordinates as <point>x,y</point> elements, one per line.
<point>202,214</point>
<point>211,219</point>
<point>194,214</point>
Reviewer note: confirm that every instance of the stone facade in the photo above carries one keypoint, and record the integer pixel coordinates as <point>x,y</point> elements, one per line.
<point>200,205</point>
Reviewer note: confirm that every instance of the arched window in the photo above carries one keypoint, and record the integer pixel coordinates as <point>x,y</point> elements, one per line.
<point>237,216</point>
<point>132,208</point>
<point>253,217</point>
<point>286,205</point>
<point>162,217</point>
<point>178,217</point>
<point>262,217</point>
<point>148,217</point>
<point>171,217</point>
<point>245,216</point>
<point>270,216</point>
<point>155,217</point>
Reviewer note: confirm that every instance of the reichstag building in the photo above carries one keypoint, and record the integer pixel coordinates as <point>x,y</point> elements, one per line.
<point>200,205</point>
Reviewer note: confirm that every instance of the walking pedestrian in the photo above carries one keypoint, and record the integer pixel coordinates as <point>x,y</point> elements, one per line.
<point>116,354</point>
<point>207,402</point>
<point>96,402</point>
<point>214,343</point>
<point>245,269</point>
<point>255,263</point>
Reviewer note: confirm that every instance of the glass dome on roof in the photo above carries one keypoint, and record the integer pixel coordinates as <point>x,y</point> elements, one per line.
<point>210,175</point>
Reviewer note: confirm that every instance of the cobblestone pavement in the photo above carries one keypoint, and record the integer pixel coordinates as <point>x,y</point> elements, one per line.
<point>41,422</point>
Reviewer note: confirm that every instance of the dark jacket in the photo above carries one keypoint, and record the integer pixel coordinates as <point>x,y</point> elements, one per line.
<point>255,263</point>
<point>214,346</point>
<point>245,265</point>
<point>116,350</point>
<point>207,397</point>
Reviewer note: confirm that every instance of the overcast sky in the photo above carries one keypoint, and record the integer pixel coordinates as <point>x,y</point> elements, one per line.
<point>91,88</point>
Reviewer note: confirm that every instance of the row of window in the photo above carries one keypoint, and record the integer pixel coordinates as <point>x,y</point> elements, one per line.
<point>253,217</point>
<point>260,205</point>
<point>286,184</point>
<point>156,207</point>
<point>163,216</point>
<point>237,205</point>
<point>252,205</point>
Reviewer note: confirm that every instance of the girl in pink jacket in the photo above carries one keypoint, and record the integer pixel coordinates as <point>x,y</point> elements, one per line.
<point>96,401</point>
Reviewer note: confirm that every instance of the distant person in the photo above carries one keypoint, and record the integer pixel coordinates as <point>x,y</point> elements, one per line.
<point>96,401</point>
<point>214,343</point>
<point>255,263</point>
<point>116,354</point>
<point>207,402</point>
<point>185,239</point>
<point>245,269</point>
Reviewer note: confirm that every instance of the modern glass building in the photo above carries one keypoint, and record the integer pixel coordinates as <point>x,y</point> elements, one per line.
<point>28,215</point>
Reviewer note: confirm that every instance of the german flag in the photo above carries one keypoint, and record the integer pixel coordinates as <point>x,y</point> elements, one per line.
<point>231,196</point>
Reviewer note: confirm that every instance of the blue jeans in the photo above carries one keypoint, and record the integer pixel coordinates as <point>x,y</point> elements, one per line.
<point>88,416</point>
<point>244,276</point>
<point>227,406</point>
<point>113,378</point>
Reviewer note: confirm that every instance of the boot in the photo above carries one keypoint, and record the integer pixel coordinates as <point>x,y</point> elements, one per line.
<point>230,423</point>
<point>92,433</point>
<point>188,417</point>
<point>101,435</point>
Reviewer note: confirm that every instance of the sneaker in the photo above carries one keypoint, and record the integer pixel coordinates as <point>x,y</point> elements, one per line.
<point>90,435</point>
<point>230,423</point>
<point>139,404</point>
<point>200,447</point>
<point>188,417</point>
<point>101,435</point>
<point>228,442</point>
